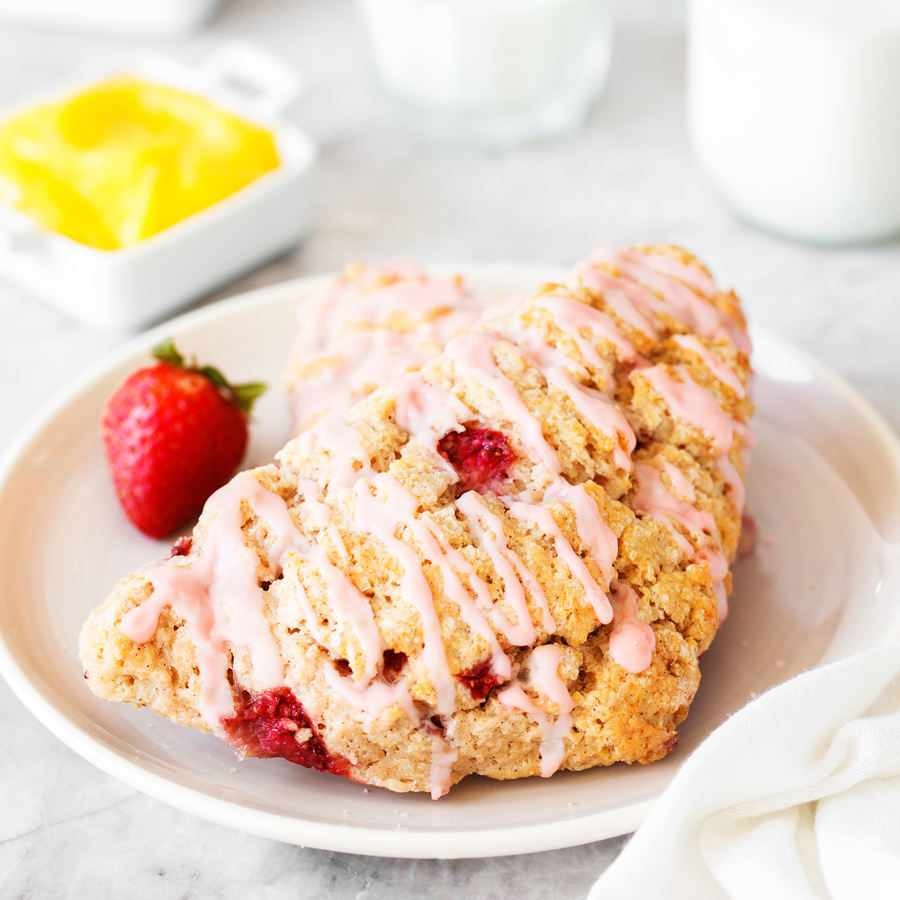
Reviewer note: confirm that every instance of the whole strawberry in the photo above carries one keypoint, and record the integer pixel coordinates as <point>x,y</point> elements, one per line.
<point>173,434</point>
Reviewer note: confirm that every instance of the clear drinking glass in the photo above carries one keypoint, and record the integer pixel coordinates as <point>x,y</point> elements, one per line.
<point>489,73</point>
<point>794,113</point>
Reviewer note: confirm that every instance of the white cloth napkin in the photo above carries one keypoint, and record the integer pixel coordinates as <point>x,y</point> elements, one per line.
<point>796,796</point>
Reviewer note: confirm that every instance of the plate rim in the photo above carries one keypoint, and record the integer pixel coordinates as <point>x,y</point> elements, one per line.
<point>372,841</point>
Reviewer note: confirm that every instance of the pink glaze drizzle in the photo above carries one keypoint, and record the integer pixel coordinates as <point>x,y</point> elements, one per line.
<point>543,663</point>
<point>693,276</point>
<point>733,480</point>
<point>349,328</point>
<point>591,404</point>
<point>695,405</point>
<point>351,608</point>
<point>475,614</point>
<point>681,487</point>
<point>381,518</point>
<point>220,598</point>
<point>379,696</point>
<point>674,286</point>
<point>631,641</point>
<point>341,440</point>
<point>542,518</point>
<point>600,539</point>
<point>652,499</point>
<point>473,355</point>
<point>572,316</point>
<point>427,414</point>
<point>444,751</point>
<point>721,370</point>
<point>222,602</point>
<point>399,509</point>
<point>648,284</point>
<point>368,359</point>
<point>597,409</point>
<point>487,529</point>
<point>320,511</point>
<point>722,594</point>
<point>375,697</point>
<point>631,302</point>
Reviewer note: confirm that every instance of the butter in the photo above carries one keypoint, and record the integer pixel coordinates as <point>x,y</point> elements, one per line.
<point>125,159</point>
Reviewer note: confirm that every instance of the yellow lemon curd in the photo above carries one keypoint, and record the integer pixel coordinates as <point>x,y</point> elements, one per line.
<point>124,159</point>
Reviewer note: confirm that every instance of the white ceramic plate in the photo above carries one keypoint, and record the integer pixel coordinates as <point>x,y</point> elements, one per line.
<point>824,488</point>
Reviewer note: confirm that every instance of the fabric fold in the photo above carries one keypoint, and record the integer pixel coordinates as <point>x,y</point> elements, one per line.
<point>796,795</point>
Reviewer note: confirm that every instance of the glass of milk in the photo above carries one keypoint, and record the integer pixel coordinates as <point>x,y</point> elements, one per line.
<point>794,113</point>
<point>489,73</point>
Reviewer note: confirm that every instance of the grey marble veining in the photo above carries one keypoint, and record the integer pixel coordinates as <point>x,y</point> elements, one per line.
<point>70,831</point>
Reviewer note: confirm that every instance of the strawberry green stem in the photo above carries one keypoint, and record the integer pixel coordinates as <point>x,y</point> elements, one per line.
<point>241,395</point>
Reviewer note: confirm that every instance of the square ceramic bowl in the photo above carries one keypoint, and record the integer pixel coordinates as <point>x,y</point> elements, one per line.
<point>129,288</point>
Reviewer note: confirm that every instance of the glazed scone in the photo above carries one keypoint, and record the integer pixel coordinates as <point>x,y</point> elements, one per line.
<point>374,323</point>
<point>506,563</point>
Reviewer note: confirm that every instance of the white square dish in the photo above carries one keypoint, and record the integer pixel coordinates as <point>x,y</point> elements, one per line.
<point>128,288</point>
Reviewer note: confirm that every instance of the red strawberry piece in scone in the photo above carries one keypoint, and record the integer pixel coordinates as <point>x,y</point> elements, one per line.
<point>173,434</point>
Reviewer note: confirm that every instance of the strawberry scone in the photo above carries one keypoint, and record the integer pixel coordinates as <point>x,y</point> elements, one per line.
<point>507,563</point>
<point>372,324</point>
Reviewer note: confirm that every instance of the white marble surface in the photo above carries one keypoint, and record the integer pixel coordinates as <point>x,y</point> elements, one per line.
<point>68,830</point>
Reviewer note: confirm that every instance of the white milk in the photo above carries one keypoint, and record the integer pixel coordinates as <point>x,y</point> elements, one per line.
<point>794,113</point>
<point>489,71</point>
